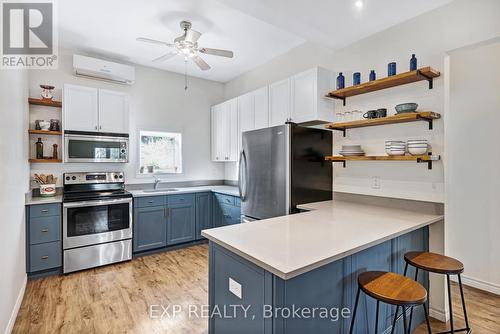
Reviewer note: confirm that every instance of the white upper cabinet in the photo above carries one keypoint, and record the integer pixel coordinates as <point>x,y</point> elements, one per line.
<point>246,115</point>
<point>92,109</point>
<point>279,102</point>
<point>225,131</point>
<point>113,111</point>
<point>261,107</point>
<point>308,103</point>
<point>80,108</point>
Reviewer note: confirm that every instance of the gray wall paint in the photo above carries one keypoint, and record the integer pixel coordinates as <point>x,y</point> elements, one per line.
<point>158,102</point>
<point>14,171</point>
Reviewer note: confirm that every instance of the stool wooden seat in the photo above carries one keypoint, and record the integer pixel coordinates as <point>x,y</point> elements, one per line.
<point>435,263</point>
<point>394,289</point>
<point>440,264</point>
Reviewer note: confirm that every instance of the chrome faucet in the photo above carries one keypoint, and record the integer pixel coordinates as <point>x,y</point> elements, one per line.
<point>157,182</point>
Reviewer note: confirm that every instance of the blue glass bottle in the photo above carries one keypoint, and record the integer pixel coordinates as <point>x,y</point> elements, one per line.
<point>413,63</point>
<point>340,81</point>
<point>356,78</point>
<point>391,69</point>
<point>373,75</point>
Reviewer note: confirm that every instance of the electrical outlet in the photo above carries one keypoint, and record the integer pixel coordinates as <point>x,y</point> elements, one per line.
<point>376,182</point>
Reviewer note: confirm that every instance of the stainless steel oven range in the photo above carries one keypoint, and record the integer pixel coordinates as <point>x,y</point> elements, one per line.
<point>97,220</point>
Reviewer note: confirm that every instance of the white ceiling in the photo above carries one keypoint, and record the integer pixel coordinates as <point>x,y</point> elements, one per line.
<point>256,30</point>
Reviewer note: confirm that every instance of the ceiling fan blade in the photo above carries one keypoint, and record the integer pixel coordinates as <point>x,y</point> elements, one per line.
<point>192,36</point>
<point>165,57</point>
<point>217,52</point>
<point>201,63</point>
<point>153,41</point>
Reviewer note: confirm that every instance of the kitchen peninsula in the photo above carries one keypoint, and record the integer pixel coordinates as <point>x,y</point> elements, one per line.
<point>311,259</point>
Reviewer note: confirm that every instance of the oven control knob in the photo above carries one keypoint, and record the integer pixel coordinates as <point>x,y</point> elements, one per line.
<point>122,151</point>
<point>116,176</point>
<point>67,178</point>
<point>121,176</point>
<point>73,178</point>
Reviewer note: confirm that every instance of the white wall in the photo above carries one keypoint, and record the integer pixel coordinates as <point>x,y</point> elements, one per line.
<point>14,171</point>
<point>430,36</point>
<point>158,102</point>
<point>473,165</point>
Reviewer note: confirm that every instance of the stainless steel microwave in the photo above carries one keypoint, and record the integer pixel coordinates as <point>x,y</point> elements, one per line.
<point>83,146</point>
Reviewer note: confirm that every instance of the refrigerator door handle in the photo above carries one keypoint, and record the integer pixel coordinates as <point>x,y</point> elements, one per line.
<point>242,174</point>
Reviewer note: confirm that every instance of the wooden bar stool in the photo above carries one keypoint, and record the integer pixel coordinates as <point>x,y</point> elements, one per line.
<point>440,264</point>
<point>394,289</point>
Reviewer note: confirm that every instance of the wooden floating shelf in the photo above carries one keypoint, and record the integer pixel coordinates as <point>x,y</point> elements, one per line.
<point>417,158</point>
<point>424,73</point>
<point>45,160</point>
<point>45,102</point>
<point>426,116</point>
<point>42,132</point>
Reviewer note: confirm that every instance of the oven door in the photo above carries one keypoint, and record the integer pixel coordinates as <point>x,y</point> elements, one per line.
<point>95,148</point>
<point>94,222</point>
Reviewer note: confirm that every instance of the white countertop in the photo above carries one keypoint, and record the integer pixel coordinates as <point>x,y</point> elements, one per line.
<point>227,190</point>
<point>30,200</point>
<point>292,245</point>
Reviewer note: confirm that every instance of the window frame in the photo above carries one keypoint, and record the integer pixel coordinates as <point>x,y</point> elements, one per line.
<point>142,133</point>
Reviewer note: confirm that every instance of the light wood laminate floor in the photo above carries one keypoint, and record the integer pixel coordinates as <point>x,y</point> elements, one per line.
<point>117,299</point>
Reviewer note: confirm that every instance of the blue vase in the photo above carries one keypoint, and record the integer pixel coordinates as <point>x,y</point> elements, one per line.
<point>356,78</point>
<point>373,75</point>
<point>413,63</point>
<point>340,81</point>
<point>391,69</point>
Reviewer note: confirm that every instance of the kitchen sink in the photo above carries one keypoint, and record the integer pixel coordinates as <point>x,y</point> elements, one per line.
<point>160,190</point>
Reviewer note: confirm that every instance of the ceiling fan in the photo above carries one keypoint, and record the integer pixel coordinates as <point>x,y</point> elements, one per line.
<point>187,46</point>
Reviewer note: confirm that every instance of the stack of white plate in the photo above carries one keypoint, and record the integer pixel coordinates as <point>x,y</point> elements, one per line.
<point>394,147</point>
<point>418,147</point>
<point>352,151</point>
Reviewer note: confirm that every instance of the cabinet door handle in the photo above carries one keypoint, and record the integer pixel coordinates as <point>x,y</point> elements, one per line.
<point>95,127</point>
<point>45,257</point>
<point>45,210</point>
<point>100,127</point>
<point>151,202</point>
<point>45,230</point>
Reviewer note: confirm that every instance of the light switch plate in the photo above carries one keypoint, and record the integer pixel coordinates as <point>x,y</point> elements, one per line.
<point>235,287</point>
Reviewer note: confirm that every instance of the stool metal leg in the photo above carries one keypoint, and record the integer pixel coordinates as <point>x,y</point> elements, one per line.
<point>394,322</point>
<point>404,321</point>
<point>450,303</point>
<point>463,302</point>
<point>376,317</point>
<point>427,319</point>
<point>411,309</point>
<point>355,309</point>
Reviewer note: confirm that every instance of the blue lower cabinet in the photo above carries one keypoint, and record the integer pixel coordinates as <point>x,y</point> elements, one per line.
<point>225,210</point>
<point>203,213</point>
<point>150,228</point>
<point>181,224</point>
<point>45,256</point>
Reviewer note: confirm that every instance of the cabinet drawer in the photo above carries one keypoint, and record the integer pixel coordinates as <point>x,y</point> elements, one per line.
<point>187,199</point>
<point>45,210</point>
<point>142,202</point>
<point>45,229</point>
<point>225,199</point>
<point>45,256</point>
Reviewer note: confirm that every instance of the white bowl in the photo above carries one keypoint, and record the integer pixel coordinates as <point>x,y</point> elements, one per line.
<point>417,151</point>
<point>396,153</point>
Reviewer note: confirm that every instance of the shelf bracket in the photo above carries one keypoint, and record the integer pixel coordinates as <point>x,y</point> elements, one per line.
<point>430,121</point>
<point>344,164</point>
<point>429,80</point>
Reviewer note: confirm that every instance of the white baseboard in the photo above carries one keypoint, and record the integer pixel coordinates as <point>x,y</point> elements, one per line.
<point>439,314</point>
<point>17,306</point>
<point>478,284</point>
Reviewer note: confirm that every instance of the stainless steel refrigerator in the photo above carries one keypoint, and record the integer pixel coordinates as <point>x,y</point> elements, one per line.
<point>281,167</point>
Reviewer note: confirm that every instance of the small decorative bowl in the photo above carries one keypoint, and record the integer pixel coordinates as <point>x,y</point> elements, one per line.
<point>406,107</point>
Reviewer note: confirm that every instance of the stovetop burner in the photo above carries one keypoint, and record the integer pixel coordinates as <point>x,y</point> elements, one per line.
<point>94,186</point>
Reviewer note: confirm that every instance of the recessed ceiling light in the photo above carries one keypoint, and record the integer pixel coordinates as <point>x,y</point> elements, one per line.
<point>359,4</point>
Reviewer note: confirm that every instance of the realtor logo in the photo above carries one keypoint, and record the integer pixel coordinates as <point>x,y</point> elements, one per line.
<point>28,35</point>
